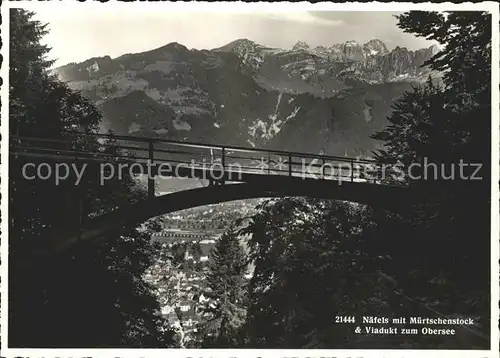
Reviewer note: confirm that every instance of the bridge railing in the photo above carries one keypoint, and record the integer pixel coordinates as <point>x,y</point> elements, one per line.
<point>205,157</point>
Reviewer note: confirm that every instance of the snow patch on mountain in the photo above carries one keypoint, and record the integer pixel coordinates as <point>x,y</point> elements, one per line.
<point>293,114</point>
<point>258,128</point>
<point>154,94</point>
<point>181,125</point>
<point>275,128</point>
<point>367,111</point>
<point>276,109</point>
<point>93,68</point>
<point>134,127</point>
<point>161,131</point>
<point>266,131</point>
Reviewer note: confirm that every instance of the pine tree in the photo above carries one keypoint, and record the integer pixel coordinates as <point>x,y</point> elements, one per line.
<point>227,283</point>
<point>92,295</point>
<point>311,264</point>
<point>447,248</point>
<point>407,138</point>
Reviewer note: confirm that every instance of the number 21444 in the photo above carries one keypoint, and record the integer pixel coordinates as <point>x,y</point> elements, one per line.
<point>345,319</point>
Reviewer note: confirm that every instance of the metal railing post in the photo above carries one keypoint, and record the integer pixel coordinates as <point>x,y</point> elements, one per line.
<point>352,170</point>
<point>268,163</point>
<point>289,164</point>
<point>223,164</point>
<point>151,175</point>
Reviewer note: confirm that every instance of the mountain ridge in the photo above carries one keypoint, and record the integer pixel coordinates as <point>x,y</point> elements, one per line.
<point>328,99</point>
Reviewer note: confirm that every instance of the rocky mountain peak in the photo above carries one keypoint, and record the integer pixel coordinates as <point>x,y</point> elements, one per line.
<point>320,49</point>
<point>398,49</point>
<point>237,45</point>
<point>249,52</point>
<point>244,93</point>
<point>375,47</point>
<point>176,45</point>
<point>351,43</point>
<point>347,51</point>
<point>301,45</point>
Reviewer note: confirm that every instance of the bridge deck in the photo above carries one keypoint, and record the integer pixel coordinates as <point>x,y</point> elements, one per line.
<point>166,158</point>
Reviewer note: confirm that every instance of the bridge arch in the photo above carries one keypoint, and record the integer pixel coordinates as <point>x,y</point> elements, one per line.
<point>260,173</point>
<point>126,218</point>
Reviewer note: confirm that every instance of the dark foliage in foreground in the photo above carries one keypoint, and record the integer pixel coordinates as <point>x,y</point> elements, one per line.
<point>226,281</point>
<point>317,260</point>
<point>94,295</point>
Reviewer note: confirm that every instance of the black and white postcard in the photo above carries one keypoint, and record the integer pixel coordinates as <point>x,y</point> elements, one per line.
<point>249,179</point>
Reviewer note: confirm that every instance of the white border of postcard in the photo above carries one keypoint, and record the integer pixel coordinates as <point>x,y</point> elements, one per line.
<point>114,8</point>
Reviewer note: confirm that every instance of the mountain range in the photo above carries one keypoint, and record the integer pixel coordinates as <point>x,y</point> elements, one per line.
<point>328,99</point>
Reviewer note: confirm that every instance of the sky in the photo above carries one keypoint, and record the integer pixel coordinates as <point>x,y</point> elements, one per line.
<point>78,34</point>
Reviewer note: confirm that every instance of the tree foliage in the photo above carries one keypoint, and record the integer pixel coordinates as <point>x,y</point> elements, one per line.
<point>449,225</point>
<point>92,295</point>
<point>312,263</point>
<point>227,284</point>
<point>446,125</point>
<point>315,260</point>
